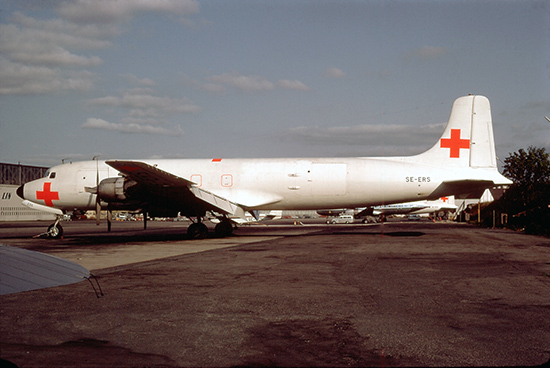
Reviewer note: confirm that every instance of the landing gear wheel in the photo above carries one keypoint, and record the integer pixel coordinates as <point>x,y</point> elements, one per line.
<point>224,228</point>
<point>55,231</point>
<point>198,230</point>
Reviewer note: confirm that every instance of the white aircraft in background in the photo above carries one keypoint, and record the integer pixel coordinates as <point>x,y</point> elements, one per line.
<point>463,160</point>
<point>416,208</point>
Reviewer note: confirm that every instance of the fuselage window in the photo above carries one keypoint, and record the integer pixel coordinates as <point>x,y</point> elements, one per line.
<point>52,175</point>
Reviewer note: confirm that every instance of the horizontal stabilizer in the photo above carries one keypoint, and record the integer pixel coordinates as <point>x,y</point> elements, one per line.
<point>461,188</point>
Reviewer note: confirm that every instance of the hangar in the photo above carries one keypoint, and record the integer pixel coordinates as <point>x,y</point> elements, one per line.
<point>12,176</point>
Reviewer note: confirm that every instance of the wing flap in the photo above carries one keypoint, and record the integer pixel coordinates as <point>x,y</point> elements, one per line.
<point>219,203</point>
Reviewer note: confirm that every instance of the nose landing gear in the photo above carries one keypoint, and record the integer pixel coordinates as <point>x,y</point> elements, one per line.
<point>55,230</point>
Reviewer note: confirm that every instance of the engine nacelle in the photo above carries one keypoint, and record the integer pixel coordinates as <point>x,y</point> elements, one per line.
<point>115,189</point>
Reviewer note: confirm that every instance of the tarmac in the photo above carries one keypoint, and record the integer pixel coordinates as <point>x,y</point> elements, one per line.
<point>399,294</point>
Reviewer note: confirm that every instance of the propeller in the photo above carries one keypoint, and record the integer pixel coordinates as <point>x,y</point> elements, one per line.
<point>95,191</point>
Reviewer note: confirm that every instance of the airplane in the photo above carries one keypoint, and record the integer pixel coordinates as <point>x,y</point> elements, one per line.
<point>416,208</point>
<point>463,160</point>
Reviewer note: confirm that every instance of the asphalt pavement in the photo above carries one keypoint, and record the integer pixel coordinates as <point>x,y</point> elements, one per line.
<point>285,294</point>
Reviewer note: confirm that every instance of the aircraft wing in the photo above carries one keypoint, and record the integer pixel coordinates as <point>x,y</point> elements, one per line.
<point>166,185</point>
<point>24,270</point>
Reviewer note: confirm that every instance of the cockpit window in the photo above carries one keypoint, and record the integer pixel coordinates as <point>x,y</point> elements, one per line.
<point>47,174</point>
<point>52,175</point>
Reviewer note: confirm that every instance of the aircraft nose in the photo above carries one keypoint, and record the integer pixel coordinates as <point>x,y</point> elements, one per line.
<point>20,192</point>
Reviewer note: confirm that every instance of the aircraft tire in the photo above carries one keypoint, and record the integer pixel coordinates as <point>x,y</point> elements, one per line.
<point>55,231</point>
<point>198,230</point>
<point>223,229</point>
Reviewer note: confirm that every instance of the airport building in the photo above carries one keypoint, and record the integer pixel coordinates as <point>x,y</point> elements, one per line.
<point>11,177</point>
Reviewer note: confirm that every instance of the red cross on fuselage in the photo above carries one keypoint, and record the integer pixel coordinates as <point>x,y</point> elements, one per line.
<point>47,195</point>
<point>455,143</point>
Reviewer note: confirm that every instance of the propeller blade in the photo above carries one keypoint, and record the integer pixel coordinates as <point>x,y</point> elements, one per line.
<point>109,219</point>
<point>97,211</point>
<point>97,203</point>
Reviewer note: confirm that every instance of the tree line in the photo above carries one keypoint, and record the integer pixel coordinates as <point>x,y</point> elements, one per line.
<point>527,200</point>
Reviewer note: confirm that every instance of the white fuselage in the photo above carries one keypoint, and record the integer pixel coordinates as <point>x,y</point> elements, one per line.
<point>279,184</point>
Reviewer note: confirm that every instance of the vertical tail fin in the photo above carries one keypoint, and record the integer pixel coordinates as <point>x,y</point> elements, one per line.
<point>468,137</point>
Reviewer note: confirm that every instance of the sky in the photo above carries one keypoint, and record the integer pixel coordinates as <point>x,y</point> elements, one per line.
<point>138,79</point>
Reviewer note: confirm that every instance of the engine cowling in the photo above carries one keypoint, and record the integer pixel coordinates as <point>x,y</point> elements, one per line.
<point>116,190</point>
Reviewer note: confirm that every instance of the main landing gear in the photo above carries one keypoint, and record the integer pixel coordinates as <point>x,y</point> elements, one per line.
<point>224,228</point>
<point>198,229</point>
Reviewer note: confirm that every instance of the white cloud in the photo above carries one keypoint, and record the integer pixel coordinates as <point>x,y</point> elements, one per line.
<point>110,11</point>
<point>293,85</point>
<point>20,79</point>
<point>334,72</point>
<point>94,123</point>
<point>48,42</point>
<point>146,82</point>
<point>211,87</point>
<point>142,112</point>
<point>376,137</point>
<point>149,105</point>
<point>37,56</point>
<point>40,56</point>
<point>244,83</point>
<point>425,53</point>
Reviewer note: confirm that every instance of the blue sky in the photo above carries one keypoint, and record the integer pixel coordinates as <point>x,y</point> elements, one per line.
<point>200,79</point>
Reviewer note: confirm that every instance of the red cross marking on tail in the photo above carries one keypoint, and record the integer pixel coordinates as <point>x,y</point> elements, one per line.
<point>47,195</point>
<point>455,143</point>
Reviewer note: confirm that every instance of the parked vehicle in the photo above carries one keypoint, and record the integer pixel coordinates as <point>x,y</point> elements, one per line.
<point>343,219</point>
